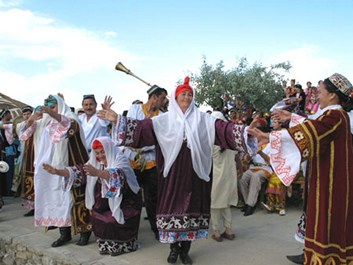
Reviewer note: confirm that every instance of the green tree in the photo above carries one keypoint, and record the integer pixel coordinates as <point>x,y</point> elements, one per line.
<point>254,85</point>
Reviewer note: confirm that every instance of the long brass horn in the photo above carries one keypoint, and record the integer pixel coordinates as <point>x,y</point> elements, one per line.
<point>122,68</point>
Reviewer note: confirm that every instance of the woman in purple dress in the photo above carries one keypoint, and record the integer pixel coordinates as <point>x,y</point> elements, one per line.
<point>112,194</point>
<point>184,139</point>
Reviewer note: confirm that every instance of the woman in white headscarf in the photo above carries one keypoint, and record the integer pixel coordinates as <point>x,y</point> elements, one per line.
<point>112,195</point>
<point>184,139</point>
<point>59,141</point>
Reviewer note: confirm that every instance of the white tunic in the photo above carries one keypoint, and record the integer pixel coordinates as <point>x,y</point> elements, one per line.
<point>93,128</point>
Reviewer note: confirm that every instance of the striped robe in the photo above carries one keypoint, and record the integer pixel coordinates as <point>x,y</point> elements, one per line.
<point>327,145</point>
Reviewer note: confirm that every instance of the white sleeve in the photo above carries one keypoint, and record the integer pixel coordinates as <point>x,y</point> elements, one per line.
<point>285,156</point>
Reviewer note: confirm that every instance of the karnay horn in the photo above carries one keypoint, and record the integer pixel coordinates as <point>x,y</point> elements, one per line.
<point>122,68</point>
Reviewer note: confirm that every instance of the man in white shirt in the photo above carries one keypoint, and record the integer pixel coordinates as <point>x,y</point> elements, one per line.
<point>92,126</point>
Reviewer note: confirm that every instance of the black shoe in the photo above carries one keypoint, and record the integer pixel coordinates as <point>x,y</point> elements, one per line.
<point>30,213</point>
<point>156,235</point>
<point>84,238</point>
<point>185,259</point>
<point>61,241</point>
<point>174,253</point>
<point>65,236</point>
<point>297,259</point>
<point>249,211</point>
<point>244,208</point>
<point>184,252</point>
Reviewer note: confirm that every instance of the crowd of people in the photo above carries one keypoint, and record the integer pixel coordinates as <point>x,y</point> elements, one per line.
<point>93,171</point>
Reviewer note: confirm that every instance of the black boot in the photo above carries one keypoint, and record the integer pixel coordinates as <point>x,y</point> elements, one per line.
<point>65,236</point>
<point>184,252</point>
<point>29,213</point>
<point>297,259</point>
<point>84,238</point>
<point>249,210</point>
<point>174,253</point>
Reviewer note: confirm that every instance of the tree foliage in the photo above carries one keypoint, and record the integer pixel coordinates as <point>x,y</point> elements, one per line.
<point>254,85</point>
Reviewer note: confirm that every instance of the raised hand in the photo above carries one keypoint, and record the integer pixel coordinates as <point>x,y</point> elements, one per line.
<point>108,115</point>
<point>106,105</point>
<point>61,95</point>
<point>254,122</point>
<point>262,138</point>
<point>281,115</point>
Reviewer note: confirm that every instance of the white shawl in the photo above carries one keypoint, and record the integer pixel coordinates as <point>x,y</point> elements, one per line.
<point>115,159</point>
<point>52,203</point>
<point>198,129</point>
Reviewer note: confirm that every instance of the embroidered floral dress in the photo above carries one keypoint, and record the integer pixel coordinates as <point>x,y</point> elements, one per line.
<point>112,238</point>
<point>183,203</point>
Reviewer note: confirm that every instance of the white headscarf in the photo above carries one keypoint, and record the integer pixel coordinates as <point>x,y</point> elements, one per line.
<point>61,147</point>
<point>199,130</point>
<point>115,159</point>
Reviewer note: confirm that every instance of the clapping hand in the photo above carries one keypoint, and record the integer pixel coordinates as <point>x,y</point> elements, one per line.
<point>109,115</point>
<point>263,138</point>
<point>90,170</point>
<point>281,115</point>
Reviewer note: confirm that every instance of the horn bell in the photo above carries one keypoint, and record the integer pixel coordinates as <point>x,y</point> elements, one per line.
<point>122,68</point>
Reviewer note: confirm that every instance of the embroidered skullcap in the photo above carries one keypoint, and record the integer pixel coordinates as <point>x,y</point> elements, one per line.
<point>50,101</point>
<point>341,83</point>
<point>184,87</point>
<point>26,109</point>
<point>97,145</point>
<point>152,89</point>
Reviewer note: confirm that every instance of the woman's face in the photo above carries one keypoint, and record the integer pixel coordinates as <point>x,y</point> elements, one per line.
<point>100,155</point>
<point>55,108</point>
<point>184,100</point>
<point>324,96</point>
<point>276,125</point>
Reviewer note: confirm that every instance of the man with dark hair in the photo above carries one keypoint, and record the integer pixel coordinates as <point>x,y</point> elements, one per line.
<point>143,160</point>
<point>92,126</point>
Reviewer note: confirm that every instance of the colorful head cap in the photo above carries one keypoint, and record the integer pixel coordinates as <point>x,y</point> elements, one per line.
<point>37,108</point>
<point>341,83</point>
<point>50,101</point>
<point>97,145</point>
<point>184,87</point>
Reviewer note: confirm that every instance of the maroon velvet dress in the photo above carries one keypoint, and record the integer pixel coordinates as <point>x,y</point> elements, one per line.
<point>114,237</point>
<point>183,203</point>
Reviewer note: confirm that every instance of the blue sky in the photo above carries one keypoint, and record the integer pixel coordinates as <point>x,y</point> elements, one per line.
<point>72,46</point>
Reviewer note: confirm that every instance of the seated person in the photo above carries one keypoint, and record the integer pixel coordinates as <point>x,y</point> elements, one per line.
<point>276,191</point>
<point>250,183</point>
